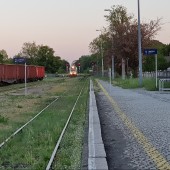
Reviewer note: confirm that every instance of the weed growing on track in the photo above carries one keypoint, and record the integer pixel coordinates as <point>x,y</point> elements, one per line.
<point>33,147</point>
<point>69,155</point>
<point>18,109</point>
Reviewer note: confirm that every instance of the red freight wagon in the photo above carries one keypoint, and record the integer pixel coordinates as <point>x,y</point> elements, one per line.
<point>40,72</point>
<point>1,72</point>
<point>31,73</point>
<point>10,73</point>
<point>20,73</point>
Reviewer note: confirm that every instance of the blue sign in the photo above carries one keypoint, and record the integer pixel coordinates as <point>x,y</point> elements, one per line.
<point>150,51</point>
<point>19,60</point>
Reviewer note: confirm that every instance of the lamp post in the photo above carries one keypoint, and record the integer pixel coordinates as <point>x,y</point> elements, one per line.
<point>113,75</point>
<point>139,47</point>
<point>101,46</point>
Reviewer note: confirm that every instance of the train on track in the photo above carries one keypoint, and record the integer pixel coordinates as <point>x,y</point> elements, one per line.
<point>15,73</point>
<point>73,71</point>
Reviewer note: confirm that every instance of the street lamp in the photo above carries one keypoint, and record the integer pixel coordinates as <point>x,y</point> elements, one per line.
<point>113,75</point>
<point>101,46</point>
<point>139,47</point>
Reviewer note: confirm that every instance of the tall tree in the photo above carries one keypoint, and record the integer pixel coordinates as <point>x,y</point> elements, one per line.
<point>42,55</point>
<point>123,31</point>
<point>46,57</point>
<point>30,51</point>
<point>3,56</point>
<point>101,47</point>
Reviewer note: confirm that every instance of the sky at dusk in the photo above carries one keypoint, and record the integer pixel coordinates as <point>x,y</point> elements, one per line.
<point>68,26</point>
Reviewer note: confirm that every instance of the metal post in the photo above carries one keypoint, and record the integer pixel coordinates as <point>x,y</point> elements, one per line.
<point>97,65</point>
<point>102,58</point>
<point>156,69</point>
<point>139,47</point>
<point>113,70</point>
<point>25,78</point>
<point>127,66</point>
<point>110,77</point>
<point>123,69</point>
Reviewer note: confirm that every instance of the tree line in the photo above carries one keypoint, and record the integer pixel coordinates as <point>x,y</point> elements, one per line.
<point>120,40</point>
<point>38,55</point>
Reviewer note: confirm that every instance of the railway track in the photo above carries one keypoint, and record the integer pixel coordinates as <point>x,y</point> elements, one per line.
<point>27,123</point>
<point>24,129</point>
<point>62,134</point>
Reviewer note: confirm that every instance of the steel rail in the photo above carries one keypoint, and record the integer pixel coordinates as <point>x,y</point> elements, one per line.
<point>17,131</point>
<point>62,133</point>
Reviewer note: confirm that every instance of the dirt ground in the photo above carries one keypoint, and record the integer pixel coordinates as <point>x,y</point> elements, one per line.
<point>30,90</point>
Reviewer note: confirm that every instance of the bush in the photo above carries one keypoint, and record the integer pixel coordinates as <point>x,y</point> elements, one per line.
<point>3,120</point>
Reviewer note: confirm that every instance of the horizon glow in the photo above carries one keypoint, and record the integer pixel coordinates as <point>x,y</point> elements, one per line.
<point>68,26</point>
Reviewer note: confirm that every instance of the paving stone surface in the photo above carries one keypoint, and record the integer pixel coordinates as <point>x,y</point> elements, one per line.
<point>149,112</point>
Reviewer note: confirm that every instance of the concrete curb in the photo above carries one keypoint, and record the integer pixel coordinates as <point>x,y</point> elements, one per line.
<point>96,151</point>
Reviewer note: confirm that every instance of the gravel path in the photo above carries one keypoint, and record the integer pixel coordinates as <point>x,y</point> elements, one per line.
<point>149,112</point>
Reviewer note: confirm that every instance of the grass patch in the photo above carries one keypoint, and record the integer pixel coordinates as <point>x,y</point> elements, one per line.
<point>148,84</point>
<point>20,108</point>
<point>32,148</point>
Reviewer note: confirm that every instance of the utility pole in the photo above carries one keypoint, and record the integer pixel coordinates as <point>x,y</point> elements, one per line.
<point>113,69</point>
<point>101,48</point>
<point>139,47</point>
<point>102,58</point>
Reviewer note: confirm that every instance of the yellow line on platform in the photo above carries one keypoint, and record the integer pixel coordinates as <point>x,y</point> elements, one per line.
<point>152,152</point>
